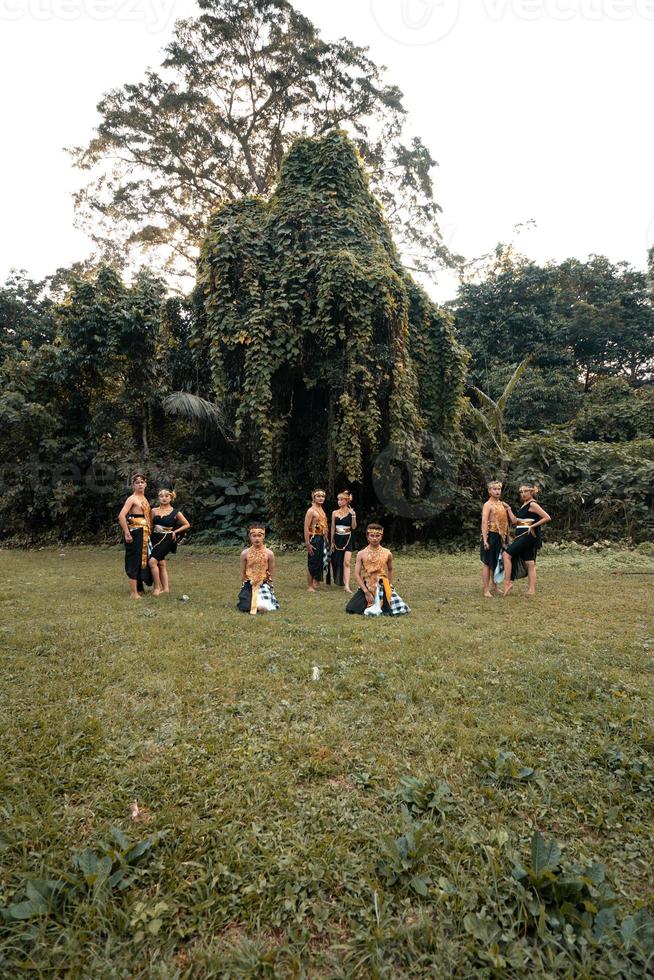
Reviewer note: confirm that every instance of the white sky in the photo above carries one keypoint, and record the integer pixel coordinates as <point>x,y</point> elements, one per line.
<point>534,109</point>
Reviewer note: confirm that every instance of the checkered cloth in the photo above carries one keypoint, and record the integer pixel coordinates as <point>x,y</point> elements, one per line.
<point>398,606</point>
<point>267,597</point>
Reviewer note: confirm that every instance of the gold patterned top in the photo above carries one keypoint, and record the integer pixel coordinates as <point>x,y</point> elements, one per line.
<point>375,564</point>
<point>498,518</point>
<point>256,566</point>
<point>319,524</point>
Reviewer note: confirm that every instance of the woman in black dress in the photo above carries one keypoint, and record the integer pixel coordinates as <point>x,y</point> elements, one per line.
<point>344,522</point>
<point>525,546</point>
<point>167,524</point>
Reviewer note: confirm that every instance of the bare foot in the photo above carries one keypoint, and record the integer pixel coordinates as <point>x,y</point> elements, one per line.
<point>156,592</point>
<point>530,593</point>
<point>165,591</point>
<point>507,589</point>
<point>349,591</point>
<point>136,596</point>
<point>488,595</point>
<point>310,589</point>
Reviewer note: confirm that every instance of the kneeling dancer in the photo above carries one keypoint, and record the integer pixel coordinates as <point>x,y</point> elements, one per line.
<point>257,570</point>
<point>374,573</point>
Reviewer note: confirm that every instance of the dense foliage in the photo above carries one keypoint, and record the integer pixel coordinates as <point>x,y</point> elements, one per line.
<point>308,355</point>
<point>322,347</point>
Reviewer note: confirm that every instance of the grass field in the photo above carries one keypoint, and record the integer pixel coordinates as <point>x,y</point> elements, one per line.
<point>372,822</point>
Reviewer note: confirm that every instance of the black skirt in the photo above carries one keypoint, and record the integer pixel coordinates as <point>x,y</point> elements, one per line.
<point>133,558</point>
<point>318,562</point>
<point>490,555</point>
<point>162,546</point>
<point>338,556</point>
<point>524,547</point>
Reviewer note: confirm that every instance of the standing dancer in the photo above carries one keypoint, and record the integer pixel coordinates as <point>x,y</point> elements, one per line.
<point>374,572</point>
<point>494,535</point>
<point>316,542</point>
<point>136,521</point>
<point>257,569</point>
<point>168,524</point>
<point>344,522</point>
<point>525,546</point>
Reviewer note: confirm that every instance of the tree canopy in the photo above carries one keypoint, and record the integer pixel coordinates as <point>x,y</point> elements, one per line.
<point>237,86</point>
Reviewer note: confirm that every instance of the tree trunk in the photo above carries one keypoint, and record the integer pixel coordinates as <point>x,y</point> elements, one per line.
<point>144,432</point>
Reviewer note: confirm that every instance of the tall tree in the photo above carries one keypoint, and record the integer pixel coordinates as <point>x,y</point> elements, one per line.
<point>237,85</point>
<point>323,349</point>
<point>607,318</point>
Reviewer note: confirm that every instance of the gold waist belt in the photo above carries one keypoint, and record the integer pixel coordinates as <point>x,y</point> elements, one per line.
<point>159,529</point>
<point>342,529</point>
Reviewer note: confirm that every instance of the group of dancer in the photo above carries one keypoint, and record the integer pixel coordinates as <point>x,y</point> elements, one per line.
<point>505,560</point>
<point>151,534</point>
<point>329,554</point>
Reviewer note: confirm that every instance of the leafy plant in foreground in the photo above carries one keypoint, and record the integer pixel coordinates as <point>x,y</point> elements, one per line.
<point>403,861</point>
<point>114,865</point>
<point>550,896</point>
<point>504,769</point>
<point>430,797</point>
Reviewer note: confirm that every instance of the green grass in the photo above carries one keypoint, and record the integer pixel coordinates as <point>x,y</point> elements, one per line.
<point>274,801</point>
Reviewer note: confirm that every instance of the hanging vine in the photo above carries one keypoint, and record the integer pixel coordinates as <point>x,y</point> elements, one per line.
<point>322,347</point>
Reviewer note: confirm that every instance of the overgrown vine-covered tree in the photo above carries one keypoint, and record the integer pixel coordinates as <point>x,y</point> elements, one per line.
<point>323,349</point>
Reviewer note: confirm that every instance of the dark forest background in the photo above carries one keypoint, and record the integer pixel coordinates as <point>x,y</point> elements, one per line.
<point>235,151</point>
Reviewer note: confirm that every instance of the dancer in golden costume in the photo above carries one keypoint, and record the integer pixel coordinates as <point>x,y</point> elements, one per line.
<point>374,571</point>
<point>495,521</point>
<point>257,569</point>
<point>316,541</point>
<point>135,519</point>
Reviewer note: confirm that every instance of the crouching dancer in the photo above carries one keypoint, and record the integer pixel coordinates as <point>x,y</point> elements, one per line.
<point>374,573</point>
<point>257,570</point>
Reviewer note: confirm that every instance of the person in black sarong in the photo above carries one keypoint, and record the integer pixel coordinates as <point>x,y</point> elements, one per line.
<point>494,536</point>
<point>527,542</point>
<point>344,522</point>
<point>316,541</point>
<point>136,521</point>
<point>167,525</point>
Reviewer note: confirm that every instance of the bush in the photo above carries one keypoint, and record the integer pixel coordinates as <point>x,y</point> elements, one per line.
<point>592,490</point>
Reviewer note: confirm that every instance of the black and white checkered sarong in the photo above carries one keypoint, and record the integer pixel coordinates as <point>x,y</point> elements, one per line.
<point>397,605</point>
